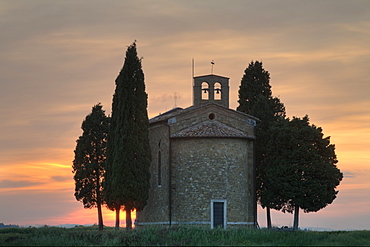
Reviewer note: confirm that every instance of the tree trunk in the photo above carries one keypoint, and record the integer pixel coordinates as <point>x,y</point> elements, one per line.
<point>128,219</point>
<point>268,217</point>
<point>98,202</point>
<point>100,215</point>
<point>296,216</point>
<point>118,208</point>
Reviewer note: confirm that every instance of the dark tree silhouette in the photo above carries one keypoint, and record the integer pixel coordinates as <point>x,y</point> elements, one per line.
<point>255,98</point>
<point>89,162</point>
<point>128,151</point>
<point>302,171</point>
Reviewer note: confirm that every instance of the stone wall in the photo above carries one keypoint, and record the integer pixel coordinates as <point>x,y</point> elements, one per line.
<point>158,202</point>
<point>212,168</point>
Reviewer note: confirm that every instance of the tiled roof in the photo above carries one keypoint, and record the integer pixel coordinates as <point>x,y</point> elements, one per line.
<point>166,115</point>
<point>210,129</point>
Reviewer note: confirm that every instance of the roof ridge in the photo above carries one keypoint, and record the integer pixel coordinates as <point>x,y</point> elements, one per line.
<point>176,111</point>
<point>211,128</point>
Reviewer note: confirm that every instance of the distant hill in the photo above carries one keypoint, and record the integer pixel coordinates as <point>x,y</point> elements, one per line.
<point>72,225</point>
<point>6,226</point>
<point>62,225</point>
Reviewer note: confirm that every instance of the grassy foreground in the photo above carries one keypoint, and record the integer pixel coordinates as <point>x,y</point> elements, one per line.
<point>178,236</point>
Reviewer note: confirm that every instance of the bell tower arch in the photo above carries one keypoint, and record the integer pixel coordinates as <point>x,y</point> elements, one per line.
<point>214,86</point>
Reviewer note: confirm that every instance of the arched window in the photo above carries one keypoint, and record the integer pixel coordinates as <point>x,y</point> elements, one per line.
<point>217,91</point>
<point>159,164</point>
<point>205,91</point>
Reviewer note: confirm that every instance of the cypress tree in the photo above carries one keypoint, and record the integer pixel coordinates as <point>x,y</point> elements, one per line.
<point>255,83</point>
<point>255,98</point>
<point>89,162</point>
<point>128,151</point>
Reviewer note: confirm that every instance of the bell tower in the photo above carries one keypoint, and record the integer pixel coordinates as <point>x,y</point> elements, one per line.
<point>211,89</point>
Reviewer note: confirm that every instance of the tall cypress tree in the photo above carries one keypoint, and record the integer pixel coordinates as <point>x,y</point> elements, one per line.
<point>89,162</point>
<point>128,151</point>
<point>255,98</point>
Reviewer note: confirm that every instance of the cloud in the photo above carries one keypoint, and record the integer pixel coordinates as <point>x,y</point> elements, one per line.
<point>36,177</point>
<point>7,183</point>
<point>61,178</point>
<point>348,174</point>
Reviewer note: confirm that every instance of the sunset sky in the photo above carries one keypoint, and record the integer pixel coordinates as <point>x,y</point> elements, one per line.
<point>59,58</point>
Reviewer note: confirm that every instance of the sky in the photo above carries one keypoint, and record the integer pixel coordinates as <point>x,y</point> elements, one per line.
<point>59,58</point>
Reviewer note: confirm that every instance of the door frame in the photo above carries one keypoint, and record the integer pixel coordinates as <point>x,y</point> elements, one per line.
<point>224,201</point>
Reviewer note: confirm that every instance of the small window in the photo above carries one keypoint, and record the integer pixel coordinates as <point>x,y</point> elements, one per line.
<point>159,169</point>
<point>211,116</point>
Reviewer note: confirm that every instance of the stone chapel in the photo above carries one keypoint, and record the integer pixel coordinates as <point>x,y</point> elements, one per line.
<point>202,170</point>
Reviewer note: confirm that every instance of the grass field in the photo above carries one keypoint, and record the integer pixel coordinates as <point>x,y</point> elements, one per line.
<point>178,236</point>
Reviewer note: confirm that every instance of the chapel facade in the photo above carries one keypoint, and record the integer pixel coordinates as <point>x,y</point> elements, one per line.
<point>203,170</point>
